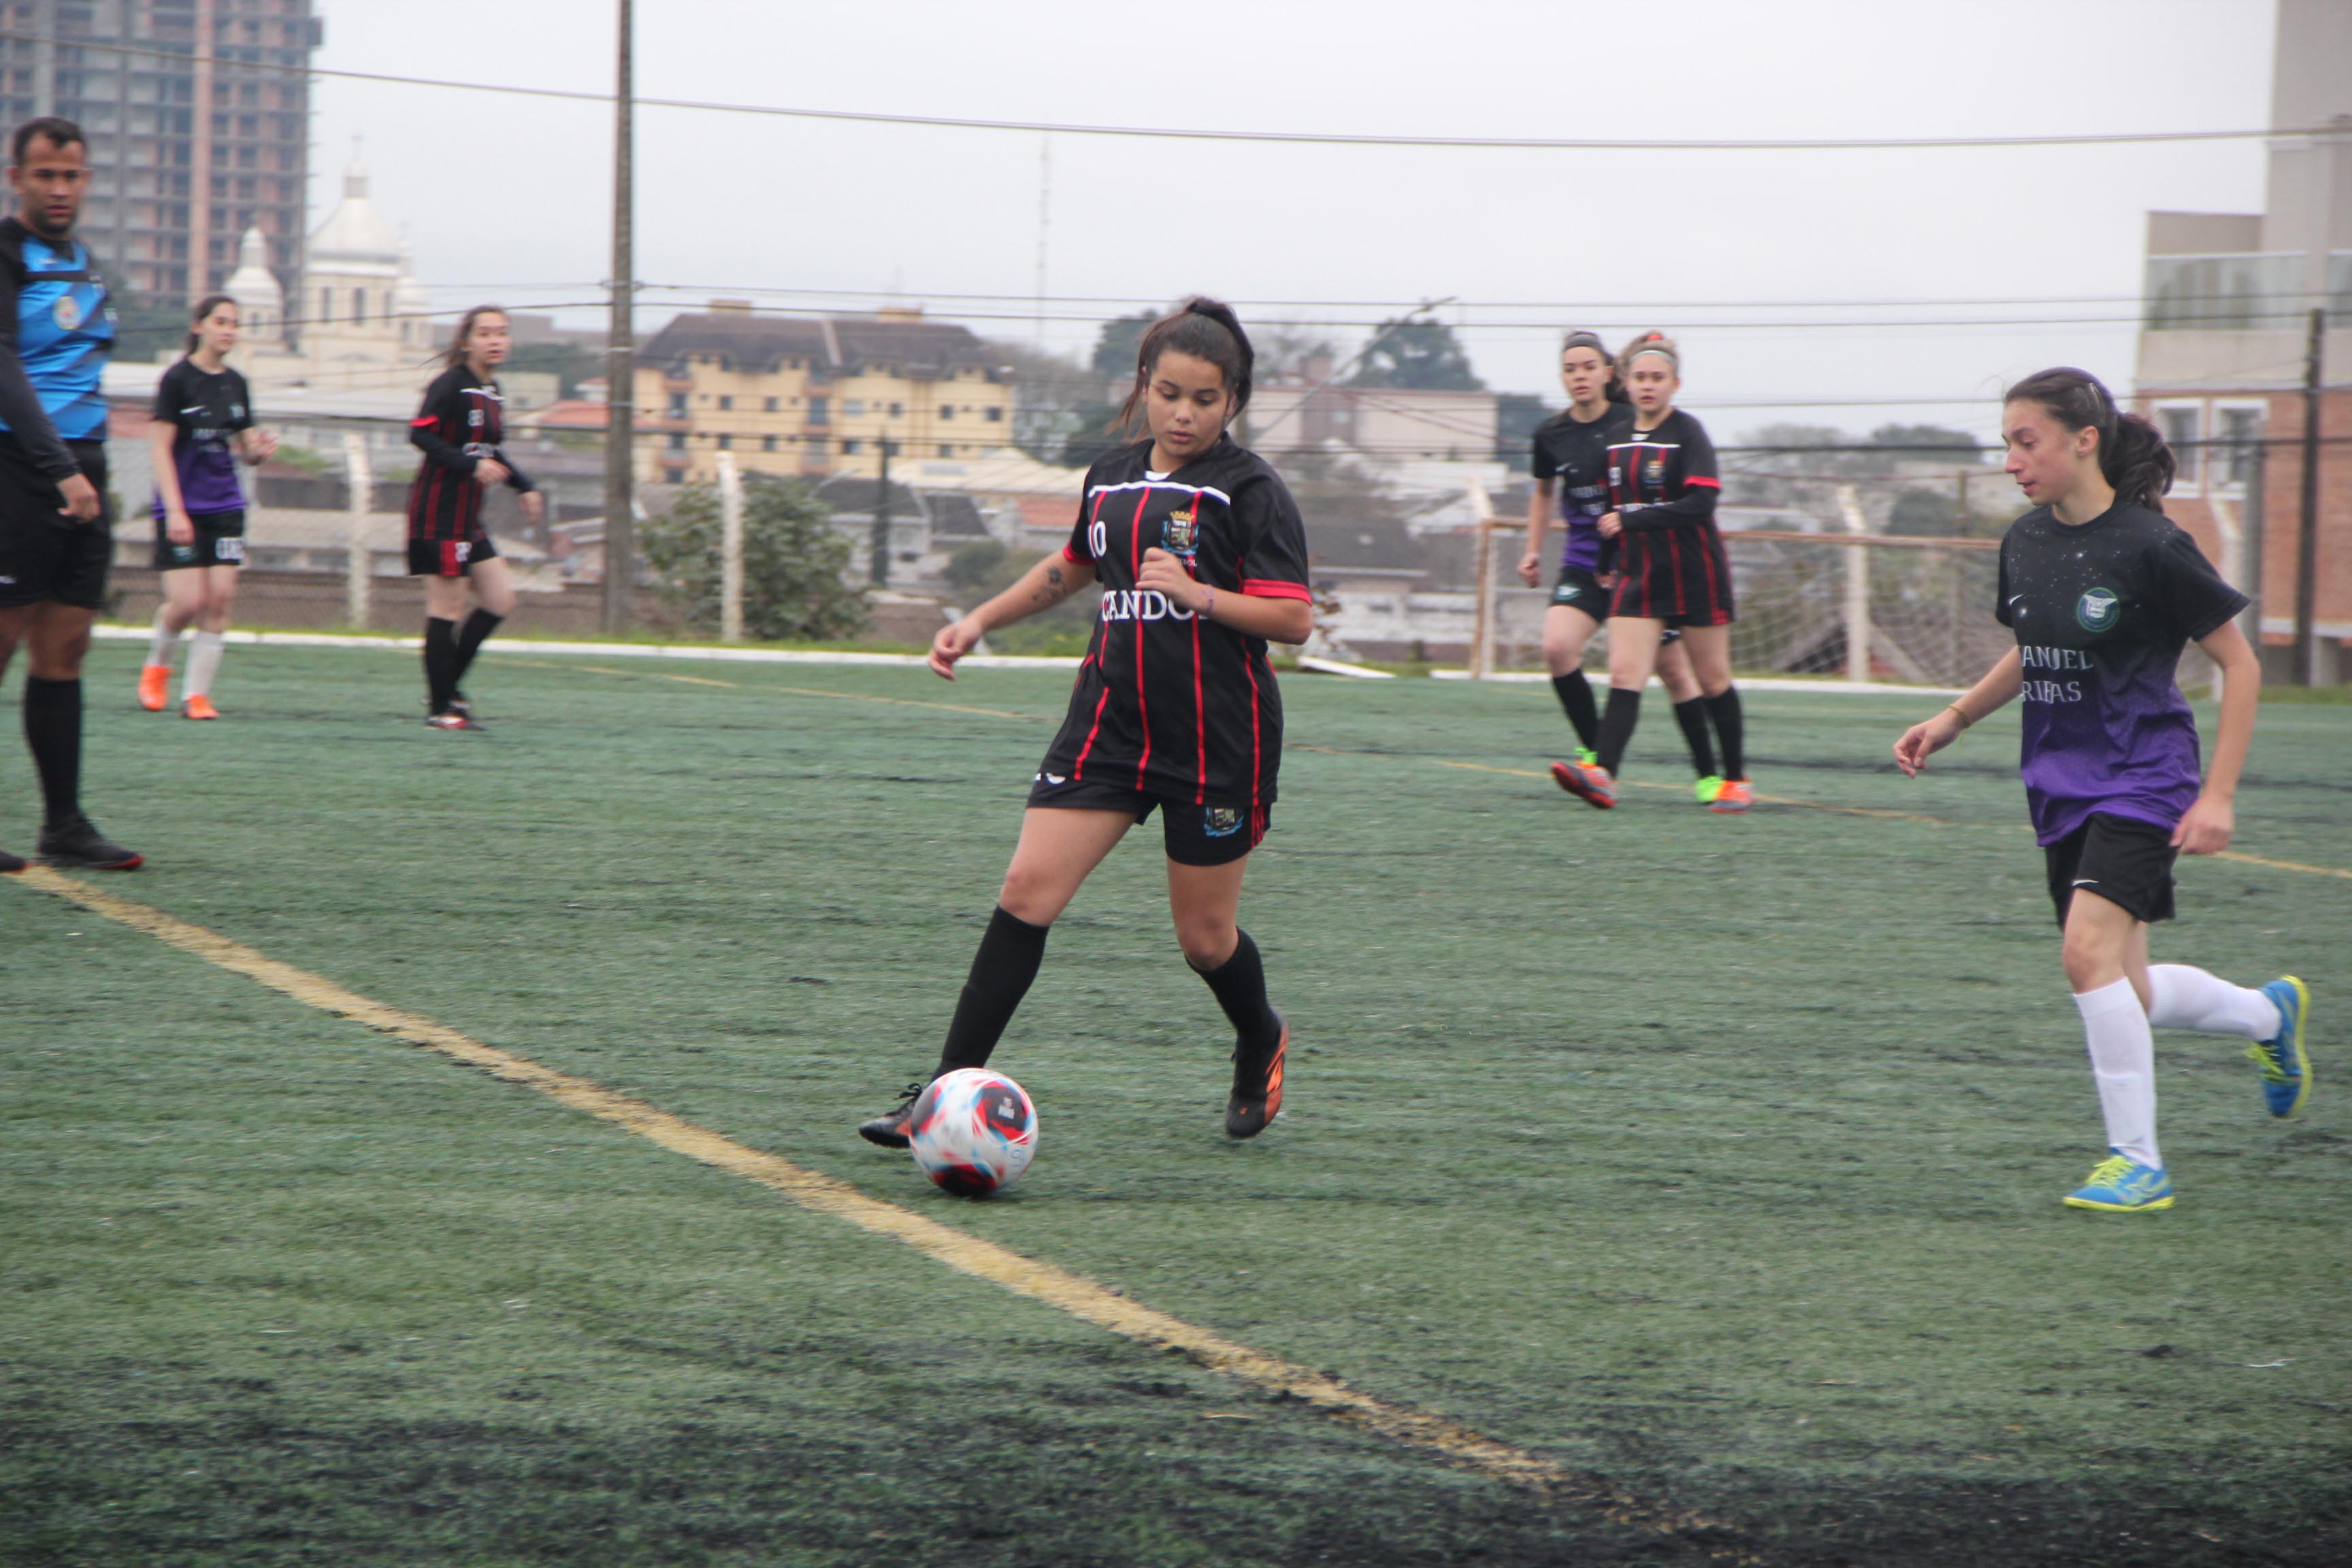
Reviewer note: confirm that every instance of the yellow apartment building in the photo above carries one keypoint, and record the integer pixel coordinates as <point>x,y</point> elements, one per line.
<point>816,396</point>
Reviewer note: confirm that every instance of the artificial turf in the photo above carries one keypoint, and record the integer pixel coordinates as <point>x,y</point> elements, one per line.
<point>1716,1156</point>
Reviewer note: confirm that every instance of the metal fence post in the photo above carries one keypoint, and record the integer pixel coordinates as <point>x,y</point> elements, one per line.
<point>358,566</point>
<point>1857,587</point>
<point>731,549</point>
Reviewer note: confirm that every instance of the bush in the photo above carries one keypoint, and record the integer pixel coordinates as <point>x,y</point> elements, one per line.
<point>794,562</point>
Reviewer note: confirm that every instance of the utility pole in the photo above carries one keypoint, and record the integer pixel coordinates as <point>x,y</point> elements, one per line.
<point>2306,551</point>
<point>621,357</point>
<point>881,544</point>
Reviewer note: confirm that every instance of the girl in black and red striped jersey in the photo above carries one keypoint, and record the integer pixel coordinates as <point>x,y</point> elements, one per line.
<point>1202,560</point>
<point>459,430</point>
<point>1671,571</point>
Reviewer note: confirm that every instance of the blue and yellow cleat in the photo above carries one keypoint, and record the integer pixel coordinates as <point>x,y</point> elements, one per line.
<point>2287,1066</point>
<point>2120,1184</point>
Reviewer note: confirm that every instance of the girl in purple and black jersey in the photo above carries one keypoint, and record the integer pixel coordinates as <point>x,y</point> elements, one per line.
<point>2103,592</point>
<point>203,424</point>
<point>1570,464</point>
<point>1203,561</point>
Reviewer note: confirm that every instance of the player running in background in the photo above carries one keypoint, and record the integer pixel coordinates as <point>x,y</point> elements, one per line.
<point>203,424</point>
<point>2102,591</point>
<point>56,327</point>
<point>1202,558</point>
<point>459,430</point>
<point>1671,571</point>
<point>1572,458</point>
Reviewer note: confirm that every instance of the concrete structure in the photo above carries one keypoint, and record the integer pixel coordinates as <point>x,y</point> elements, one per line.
<point>2222,351</point>
<point>194,140</point>
<point>816,395</point>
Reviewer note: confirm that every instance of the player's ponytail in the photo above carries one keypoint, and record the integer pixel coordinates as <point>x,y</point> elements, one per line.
<point>2133,457</point>
<point>205,307</point>
<point>1205,329</point>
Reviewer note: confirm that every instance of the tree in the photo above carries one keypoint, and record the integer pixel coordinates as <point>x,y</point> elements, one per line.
<point>1054,398</point>
<point>144,326</point>
<point>1419,353</point>
<point>1517,415</point>
<point>1117,344</point>
<point>571,364</point>
<point>1926,441</point>
<point>794,562</point>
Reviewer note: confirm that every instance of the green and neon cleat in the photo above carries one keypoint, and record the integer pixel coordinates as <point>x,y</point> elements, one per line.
<point>1707,788</point>
<point>2287,1066</point>
<point>2120,1184</point>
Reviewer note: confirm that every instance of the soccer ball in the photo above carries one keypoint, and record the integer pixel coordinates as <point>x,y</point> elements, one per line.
<point>973,1131</point>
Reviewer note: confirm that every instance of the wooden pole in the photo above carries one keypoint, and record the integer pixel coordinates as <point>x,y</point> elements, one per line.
<point>731,549</point>
<point>621,354</point>
<point>358,565</point>
<point>1857,587</point>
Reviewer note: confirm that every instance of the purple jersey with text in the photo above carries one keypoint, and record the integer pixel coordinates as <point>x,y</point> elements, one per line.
<point>2102,610</point>
<point>1575,454</point>
<point>208,410</point>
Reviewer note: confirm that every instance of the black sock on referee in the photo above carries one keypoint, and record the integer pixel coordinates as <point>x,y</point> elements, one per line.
<point>1239,983</point>
<point>53,734</point>
<point>440,661</point>
<point>1002,972</point>
<point>1617,727</point>
<point>1730,728</point>
<point>470,638</point>
<point>1692,716</point>
<point>1575,694</point>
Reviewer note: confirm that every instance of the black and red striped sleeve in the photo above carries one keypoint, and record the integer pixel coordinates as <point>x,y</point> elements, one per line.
<point>1273,563</point>
<point>443,410</point>
<point>1693,486</point>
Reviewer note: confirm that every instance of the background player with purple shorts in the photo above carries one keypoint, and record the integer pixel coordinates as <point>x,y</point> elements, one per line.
<point>2103,591</point>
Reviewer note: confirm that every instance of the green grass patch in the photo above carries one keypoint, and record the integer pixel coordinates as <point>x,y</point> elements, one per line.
<point>1717,1155</point>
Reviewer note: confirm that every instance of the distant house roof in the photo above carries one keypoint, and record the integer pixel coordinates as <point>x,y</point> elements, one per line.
<point>836,345</point>
<point>579,414</point>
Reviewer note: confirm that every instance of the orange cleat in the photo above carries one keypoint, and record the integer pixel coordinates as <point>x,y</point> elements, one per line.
<point>1588,782</point>
<point>1737,794</point>
<point>199,707</point>
<point>154,687</point>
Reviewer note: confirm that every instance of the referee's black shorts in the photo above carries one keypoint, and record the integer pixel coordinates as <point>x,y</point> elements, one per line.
<point>2125,861</point>
<point>45,554</point>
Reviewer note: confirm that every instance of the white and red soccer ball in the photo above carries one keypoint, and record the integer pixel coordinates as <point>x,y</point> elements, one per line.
<point>973,1132</point>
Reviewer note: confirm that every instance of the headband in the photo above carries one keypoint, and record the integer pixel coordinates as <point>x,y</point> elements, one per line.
<point>1587,341</point>
<point>1656,345</point>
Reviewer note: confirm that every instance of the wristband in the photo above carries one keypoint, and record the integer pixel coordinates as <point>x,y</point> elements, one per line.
<point>1966,722</point>
<point>1210,607</point>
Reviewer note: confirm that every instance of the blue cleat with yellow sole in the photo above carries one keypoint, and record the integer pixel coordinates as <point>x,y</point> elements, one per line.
<point>2287,1066</point>
<point>2120,1184</point>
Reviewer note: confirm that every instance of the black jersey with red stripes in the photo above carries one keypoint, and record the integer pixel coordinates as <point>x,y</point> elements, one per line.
<point>1168,703</point>
<point>461,422</point>
<point>1664,477</point>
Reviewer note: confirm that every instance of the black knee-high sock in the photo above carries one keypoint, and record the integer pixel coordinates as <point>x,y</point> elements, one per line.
<point>1692,716</point>
<point>440,661</point>
<point>1617,727</point>
<point>1575,694</point>
<point>1730,728</point>
<point>53,734</point>
<point>470,638</point>
<point>1001,974</point>
<point>1240,987</point>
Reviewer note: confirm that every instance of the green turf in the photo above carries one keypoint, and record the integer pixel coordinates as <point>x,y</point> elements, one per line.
<point>1718,1156</point>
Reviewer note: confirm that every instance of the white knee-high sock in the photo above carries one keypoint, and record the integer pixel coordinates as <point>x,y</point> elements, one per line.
<point>166,643</point>
<point>203,662</point>
<point>2123,1060</point>
<point>2181,997</point>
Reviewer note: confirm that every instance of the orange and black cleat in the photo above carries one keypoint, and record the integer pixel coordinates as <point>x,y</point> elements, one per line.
<point>1257,1087</point>
<point>154,687</point>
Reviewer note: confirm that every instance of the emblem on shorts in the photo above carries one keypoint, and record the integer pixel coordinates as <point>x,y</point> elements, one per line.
<point>1183,531</point>
<point>2097,609</point>
<point>66,314</point>
<point>1221,821</point>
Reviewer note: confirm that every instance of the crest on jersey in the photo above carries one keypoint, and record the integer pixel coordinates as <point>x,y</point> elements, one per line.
<point>2097,609</point>
<point>66,314</point>
<point>1655,470</point>
<point>1183,530</point>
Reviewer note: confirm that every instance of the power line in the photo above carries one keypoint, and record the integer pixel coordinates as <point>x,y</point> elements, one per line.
<point>230,58</point>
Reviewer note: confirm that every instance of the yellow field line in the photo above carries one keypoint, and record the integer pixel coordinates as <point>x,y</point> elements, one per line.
<point>1057,1288</point>
<point>2284,865</point>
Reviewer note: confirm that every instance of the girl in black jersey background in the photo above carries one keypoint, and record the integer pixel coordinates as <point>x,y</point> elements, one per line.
<point>203,424</point>
<point>459,430</point>
<point>1202,558</point>
<point>1671,571</point>
<point>1569,463</point>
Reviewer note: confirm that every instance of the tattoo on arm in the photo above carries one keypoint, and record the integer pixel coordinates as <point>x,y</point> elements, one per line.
<point>1054,589</point>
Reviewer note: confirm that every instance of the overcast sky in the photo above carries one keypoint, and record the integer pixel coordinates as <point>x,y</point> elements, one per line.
<point>508,198</point>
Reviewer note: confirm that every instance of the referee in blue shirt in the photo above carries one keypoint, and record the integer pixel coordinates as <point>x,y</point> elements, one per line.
<point>57,329</point>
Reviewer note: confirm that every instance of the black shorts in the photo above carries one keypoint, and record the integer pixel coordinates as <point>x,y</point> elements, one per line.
<point>2126,862</point>
<point>448,557</point>
<point>219,542</point>
<point>44,555</point>
<point>1679,575</point>
<point>1196,834</point>
<point>1581,591</point>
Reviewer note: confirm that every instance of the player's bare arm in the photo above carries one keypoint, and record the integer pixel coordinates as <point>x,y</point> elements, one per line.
<point>1999,687</point>
<point>1044,585</point>
<point>2209,823</point>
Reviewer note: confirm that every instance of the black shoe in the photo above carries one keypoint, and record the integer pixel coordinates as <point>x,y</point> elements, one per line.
<point>889,1129</point>
<point>1257,1088</point>
<point>77,842</point>
<point>10,862</point>
<point>458,704</point>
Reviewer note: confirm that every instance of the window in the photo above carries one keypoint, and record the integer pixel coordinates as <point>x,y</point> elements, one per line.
<point>820,411</point>
<point>725,443</point>
<point>771,406</point>
<point>677,440</point>
<point>2182,425</point>
<point>768,443</point>
<point>724,401</point>
<point>2237,436</point>
<point>896,409</point>
<point>678,405</point>
<point>947,410</point>
<point>995,416</point>
<point>853,408</point>
<point>946,450</point>
<point>849,447</point>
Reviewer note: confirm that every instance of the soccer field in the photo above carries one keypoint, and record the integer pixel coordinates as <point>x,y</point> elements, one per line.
<point>1714,1161</point>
